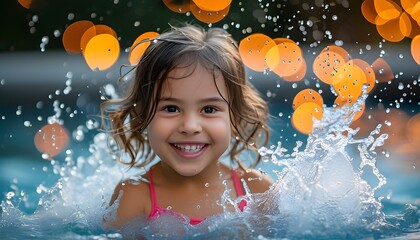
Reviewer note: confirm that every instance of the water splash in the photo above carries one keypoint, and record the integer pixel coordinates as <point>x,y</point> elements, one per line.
<point>321,192</point>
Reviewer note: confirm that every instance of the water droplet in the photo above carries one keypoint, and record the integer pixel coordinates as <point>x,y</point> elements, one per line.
<point>57,33</point>
<point>389,195</point>
<point>35,18</point>
<point>92,124</point>
<point>10,195</point>
<point>309,23</point>
<point>19,111</point>
<point>70,16</point>
<point>27,124</point>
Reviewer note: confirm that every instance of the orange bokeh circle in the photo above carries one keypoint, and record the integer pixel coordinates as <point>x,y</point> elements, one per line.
<point>285,59</point>
<point>302,118</point>
<point>327,63</point>
<point>178,6</point>
<point>51,139</point>
<point>206,16</point>
<point>102,52</point>
<point>94,31</point>
<point>307,95</point>
<point>348,81</point>
<point>415,49</point>
<point>253,50</point>
<point>73,34</point>
<point>383,71</point>
<point>213,5</point>
<point>138,47</point>
<point>368,71</point>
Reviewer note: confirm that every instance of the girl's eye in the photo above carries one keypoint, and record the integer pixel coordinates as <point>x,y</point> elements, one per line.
<point>209,110</point>
<point>171,109</point>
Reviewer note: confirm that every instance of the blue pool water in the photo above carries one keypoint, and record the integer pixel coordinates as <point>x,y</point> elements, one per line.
<point>329,187</point>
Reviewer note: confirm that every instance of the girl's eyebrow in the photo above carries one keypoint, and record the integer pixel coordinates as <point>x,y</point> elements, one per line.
<point>204,100</point>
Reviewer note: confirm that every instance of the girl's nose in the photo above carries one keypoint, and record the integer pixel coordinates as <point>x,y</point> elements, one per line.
<point>190,124</point>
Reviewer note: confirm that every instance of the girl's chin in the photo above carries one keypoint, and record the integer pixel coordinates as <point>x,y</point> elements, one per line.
<point>188,171</point>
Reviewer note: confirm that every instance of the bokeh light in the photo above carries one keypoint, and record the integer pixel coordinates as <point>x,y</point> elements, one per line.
<point>72,36</point>
<point>415,49</point>
<point>181,6</point>
<point>206,16</point>
<point>102,52</point>
<point>302,118</point>
<point>25,3</point>
<point>368,72</point>
<point>139,47</point>
<point>94,31</point>
<point>348,81</point>
<point>51,139</point>
<point>253,50</point>
<point>307,95</point>
<point>387,9</point>
<point>286,60</point>
<point>212,6</point>
<point>383,71</point>
<point>394,21</point>
<point>327,63</point>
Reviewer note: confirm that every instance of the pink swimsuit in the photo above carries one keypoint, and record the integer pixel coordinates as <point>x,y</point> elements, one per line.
<point>157,211</point>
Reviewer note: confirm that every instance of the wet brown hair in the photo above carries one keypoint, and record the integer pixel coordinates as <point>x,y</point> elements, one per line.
<point>184,46</point>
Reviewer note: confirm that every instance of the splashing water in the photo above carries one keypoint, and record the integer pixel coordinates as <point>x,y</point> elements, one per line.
<point>320,194</point>
<point>321,191</point>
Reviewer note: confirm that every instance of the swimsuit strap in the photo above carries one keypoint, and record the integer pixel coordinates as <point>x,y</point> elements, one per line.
<point>152,194</point>
<point>238,187</point>
<point>237,183</point>
<point>155,211</point>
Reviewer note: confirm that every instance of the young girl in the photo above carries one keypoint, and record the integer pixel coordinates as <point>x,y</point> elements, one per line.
<point>189,104</point>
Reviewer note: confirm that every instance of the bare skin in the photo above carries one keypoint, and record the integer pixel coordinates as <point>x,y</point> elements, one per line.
<point>135,200</point>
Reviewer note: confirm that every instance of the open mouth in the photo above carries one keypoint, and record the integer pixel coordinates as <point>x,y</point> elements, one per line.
<point>189,148</point>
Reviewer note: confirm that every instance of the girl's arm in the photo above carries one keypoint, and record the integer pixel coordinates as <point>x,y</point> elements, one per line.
<point>132,203</point>
<point>257,181</point>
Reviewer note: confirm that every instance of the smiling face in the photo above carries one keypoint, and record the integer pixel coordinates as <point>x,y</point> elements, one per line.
<point>191,128</point>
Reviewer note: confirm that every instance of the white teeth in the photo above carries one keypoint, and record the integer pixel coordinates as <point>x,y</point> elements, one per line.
<point>189,148</point>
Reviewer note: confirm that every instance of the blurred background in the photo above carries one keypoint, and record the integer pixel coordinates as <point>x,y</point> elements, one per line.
<point>41,81</point>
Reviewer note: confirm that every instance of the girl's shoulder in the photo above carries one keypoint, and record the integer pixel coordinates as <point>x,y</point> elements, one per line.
<point>133,198</point>
<point>132,186</point>
<point>257,181</point>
